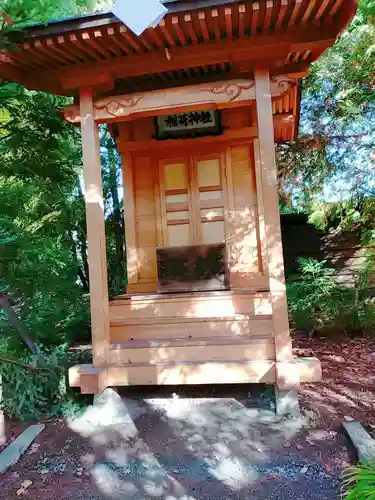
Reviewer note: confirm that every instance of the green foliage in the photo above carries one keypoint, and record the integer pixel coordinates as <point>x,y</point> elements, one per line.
<point>318,303</point>
<point>335,145</point>
<point>43,244</point>
<point>33,386</point>
<point>359,482</point>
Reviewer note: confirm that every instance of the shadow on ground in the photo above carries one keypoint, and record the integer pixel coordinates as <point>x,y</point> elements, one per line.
<point>190,447</point>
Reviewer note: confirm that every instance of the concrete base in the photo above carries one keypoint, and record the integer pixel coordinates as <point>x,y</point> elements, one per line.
<point>17,448</point>
<point>362,441</point>
<point>287,403</point>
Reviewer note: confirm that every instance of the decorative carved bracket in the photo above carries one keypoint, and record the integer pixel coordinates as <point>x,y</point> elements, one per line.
<point>217,95</point>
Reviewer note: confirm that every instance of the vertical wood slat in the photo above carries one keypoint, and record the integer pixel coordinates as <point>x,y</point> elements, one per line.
<point>41,58</point>
<point>281,16</point>
<point>180,34</point>
<point>129,214</point>
<point>113,49</point>
<point>157,40</point>
<point>50,42</point>
<point>204,27</point>
<point>241,19</point>
<point>228,22</point>
<point>262,249</point>
<point>190,28</point>
<point>321,11</point>
<point>117,40</point>
<point>158,205</point>
<point>295,12</point>
<point>82,47</point>
<point>334,9</point>
<point>86,37</point>
<point>273,241</point>
<point>124,32</point>
<point>216,24</point>
<point>49,52</point>
<point>194,202</point>
<point>96,242</point>
<point>308,11</point>
<point>255,18</point>
<point>164,28</point>
<point>268,15</point>
<point>18,60</point>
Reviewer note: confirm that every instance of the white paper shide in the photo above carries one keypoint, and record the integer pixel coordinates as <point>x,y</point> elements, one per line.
<point>140,14</point>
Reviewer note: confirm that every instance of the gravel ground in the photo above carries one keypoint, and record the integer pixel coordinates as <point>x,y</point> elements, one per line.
<point>222,445</point>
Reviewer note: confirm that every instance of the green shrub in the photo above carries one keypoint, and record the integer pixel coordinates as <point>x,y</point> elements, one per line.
<point>318,303</point>
<point>359,482</point>
<point>36,385</point>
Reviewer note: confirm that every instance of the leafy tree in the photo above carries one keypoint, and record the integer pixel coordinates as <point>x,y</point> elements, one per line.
<point>336,144</point>
<point>43,247</point>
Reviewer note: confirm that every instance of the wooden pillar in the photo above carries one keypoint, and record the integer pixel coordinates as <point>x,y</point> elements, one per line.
<point>129,221</point>
<point>95,230</point>
<point>287,374</point>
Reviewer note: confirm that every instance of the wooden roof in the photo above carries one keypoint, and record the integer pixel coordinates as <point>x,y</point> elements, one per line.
<point>198,41</point>
<point>194,40</point>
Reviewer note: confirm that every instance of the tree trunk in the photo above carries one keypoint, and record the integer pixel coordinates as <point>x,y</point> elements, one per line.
<point>15,321</point>
<point>82,240</point>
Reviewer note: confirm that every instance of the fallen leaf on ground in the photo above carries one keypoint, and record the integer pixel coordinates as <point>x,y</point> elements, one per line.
<point>24,486</point>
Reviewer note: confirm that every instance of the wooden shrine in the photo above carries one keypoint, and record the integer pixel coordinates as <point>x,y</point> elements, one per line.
<point>196,105</point>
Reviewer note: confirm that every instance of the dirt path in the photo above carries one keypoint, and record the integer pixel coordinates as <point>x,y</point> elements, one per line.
<point>195,448</point>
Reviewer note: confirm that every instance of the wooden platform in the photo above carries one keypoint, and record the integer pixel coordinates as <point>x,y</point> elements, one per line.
<point>190,338</point>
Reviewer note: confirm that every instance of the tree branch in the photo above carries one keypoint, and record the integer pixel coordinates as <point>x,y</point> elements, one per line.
<point>23,365</point>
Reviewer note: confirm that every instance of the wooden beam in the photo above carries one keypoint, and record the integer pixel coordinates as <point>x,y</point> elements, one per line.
<point>190,28</point>
<point>212,95</point>
<point>269,182</point>
<point>216,24</point>
<point>255,18</point>
<point>321,11</point>
<point>204,27</point>
<point>268,15</point>
<point>129,218</point>
<point>255,50</point>
<point>242,134</point>
<point>95,230</point>
<point>296,9</point>
<point>281,16</point>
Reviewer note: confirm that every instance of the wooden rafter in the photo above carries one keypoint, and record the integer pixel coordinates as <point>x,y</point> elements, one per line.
<point>213,34</point>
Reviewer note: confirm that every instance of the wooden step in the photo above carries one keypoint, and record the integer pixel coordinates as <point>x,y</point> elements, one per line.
<point>190,305</point>
<point>207,372</point>
<point>92,380</point>
<point>233,326</point>
<point>191,350</point>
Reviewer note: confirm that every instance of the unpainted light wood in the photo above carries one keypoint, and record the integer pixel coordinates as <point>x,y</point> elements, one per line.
<point>157,328</point>
<point>269,185</point>
<point>143,287</point>
<point>130,225</point>
<point>145,217</point>
<point>157,351</point>
<point>209,186</point>
<point>242,239</point>
<point>96,242</point>
<point>193,373</point>
<point>215,95</point>
<point>191,305</point>
<point>262,249</point>
<point>228,136</point>
<point>220,372</point>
